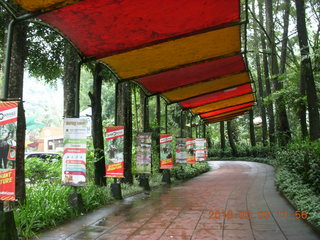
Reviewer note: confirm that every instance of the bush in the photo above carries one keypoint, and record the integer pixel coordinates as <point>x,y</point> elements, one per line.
<point>299,194</point>
<point>243,151</point>
<point>187,171</point>
<point>302,158</point>
<point>37,170</point>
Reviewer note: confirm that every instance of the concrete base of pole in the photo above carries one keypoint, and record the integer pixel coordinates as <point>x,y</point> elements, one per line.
<point>8,228</point>
<point>144,182</point>
<point>166,176</point>
<point>116,191</point>
<point>76,202</point>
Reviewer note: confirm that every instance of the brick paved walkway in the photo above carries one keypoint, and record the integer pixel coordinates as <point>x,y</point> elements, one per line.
<point>236,200</point>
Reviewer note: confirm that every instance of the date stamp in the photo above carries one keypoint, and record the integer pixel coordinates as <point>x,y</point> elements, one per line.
<point>229,214</point>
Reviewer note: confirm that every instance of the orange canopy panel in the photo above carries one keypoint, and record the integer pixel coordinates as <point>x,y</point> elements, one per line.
<point>203,71</point>
<point>219,120</point>
<point>226,110</point>
<point>229,113</point>
<point>217,96</point>
<point>247,98</point>
<point>176,53</point>
<point>225,82</point>
<point>225,118</point>
<point>43,5</point>
<point>101,28</point>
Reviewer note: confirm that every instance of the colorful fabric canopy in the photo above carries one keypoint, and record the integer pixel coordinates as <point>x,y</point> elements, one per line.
<point>187,51</point>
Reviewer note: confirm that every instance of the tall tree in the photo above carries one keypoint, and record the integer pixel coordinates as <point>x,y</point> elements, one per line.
<point>271,118</point>
<point>97,131</point>
<point>124,113</point>
<point>71,59</point>
<point>251,126</point>
<point>306,71</point>
<point>260,83</point>
<point>18,57</point>
<point>284,134</point>
<point>230,131</point>
<point>222,137</point>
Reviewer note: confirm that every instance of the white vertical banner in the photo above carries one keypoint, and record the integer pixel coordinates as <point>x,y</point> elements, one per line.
<point>200,149</point>
<point>74,156</point>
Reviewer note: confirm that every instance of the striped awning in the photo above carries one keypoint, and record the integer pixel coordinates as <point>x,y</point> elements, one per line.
<point>187,51</point>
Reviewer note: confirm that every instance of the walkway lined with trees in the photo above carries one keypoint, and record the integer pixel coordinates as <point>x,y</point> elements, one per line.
<point>211,206</point>
<point>172,68</point>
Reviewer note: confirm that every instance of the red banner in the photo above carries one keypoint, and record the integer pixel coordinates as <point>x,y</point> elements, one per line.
<point>7,185</point>
<point>115,170</point>
<point>114,153</point>
<point>166,160</point>
<point>191,155</point>
<point>8,128</point>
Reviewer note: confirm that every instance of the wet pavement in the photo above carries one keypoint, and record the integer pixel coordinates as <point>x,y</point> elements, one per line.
<point>235,200</point>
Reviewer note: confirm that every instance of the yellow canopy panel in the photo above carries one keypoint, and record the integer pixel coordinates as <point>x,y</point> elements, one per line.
<point>229,113</point>
<point>43,5</point>
<point>223,104</point>
<point>175,53</point>
<point>213,85</point>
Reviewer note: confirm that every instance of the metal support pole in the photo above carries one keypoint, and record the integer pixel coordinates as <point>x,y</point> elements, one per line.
<point>196,131</point>
<point>145,110</point>
<point>191,119</point>
<point>115,186</point>
<point>77,98</point>
<point>8,59</point>
<point>166,118</point>
<point>116,95</point>
<point>181,121</point>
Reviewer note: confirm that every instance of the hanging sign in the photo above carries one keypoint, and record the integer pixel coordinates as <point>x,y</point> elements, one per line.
<point>200,150</point>
<point>114,154</point>
<point>166,160</point>
<point>144,153</point>
<point>191,146</point>
<point>8,129</point>
<point>181,151</point>
<point>74,156</point>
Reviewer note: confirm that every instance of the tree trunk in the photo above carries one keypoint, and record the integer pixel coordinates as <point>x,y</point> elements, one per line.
<point>97,131</point>
<point>260,85</point>
<point>252,135</point>
<point>231,140</point>
<point>18,57</point>
<point>283,134</point>
<point>71,59</point>
<point>156,137</point>
<point>144,112</point>
<point>222,137</point>
<point>302,109</point>
<point>270,112</point>
<point>306,72</point>
<point>124,112</point>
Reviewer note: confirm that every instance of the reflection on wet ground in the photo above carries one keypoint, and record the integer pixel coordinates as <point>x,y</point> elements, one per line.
<point>236,200</point>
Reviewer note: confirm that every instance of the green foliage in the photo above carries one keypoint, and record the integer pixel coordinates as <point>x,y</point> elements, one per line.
<point>46,206</point>
<point>189,171</point>
<point>37,170</point>
<point>299,193</point>
<point>243,151</point>
<point>302,158</point>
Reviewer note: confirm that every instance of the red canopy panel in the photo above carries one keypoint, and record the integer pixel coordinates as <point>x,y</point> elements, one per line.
<point>224,110</point>
<point>224,118</point>
<point>102,28</point>
<point>217,96</point>
<point>168,80</point>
